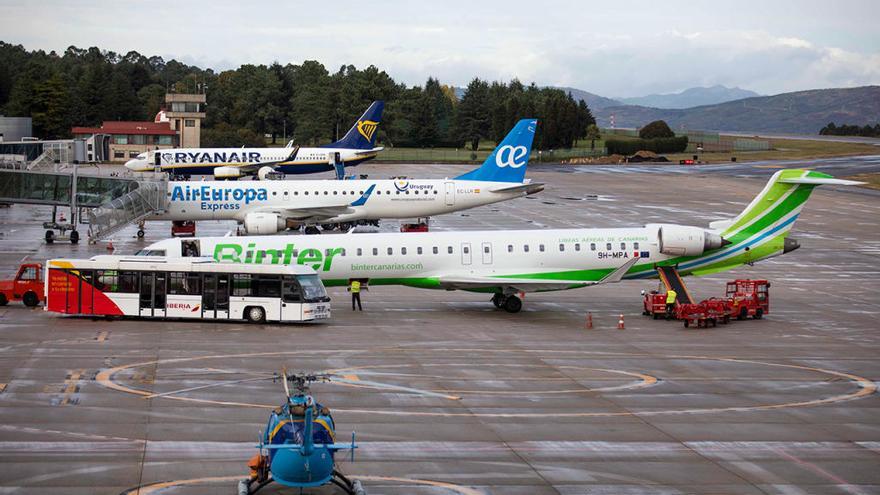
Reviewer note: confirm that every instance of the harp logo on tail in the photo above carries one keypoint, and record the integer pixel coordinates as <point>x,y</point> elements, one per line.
<point>367,128</point>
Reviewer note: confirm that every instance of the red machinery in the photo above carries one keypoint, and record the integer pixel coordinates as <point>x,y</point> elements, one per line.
<point>27,286</point>
<point>183,228</point>
<point>748,298</point>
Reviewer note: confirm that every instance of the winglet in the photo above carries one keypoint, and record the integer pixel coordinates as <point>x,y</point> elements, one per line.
<point>617,274</point>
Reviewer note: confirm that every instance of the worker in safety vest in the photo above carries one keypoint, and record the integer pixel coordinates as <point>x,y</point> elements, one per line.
<point>670,302</point>
<point>355,289</point>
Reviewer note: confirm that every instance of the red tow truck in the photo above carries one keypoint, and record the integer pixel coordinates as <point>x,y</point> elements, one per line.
<point>748,298</point>
<point>27,286</point>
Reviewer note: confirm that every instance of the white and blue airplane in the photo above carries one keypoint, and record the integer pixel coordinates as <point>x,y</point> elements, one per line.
<point>357,146</point>
<point>267,207</point>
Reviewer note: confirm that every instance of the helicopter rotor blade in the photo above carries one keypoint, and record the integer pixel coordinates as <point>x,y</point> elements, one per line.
<point>388,386</point>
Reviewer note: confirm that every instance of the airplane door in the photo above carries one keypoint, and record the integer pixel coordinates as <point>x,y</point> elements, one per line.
<point>450,194</point>
<point>487,253</point>
<point>466,253</point>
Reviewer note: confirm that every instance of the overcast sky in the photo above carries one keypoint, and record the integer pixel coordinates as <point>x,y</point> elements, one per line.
<point>609,48</point>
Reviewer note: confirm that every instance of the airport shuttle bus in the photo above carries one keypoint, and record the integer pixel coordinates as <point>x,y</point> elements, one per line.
<point>197,288</point>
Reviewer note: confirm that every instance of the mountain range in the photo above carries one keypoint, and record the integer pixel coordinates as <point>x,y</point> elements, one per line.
<point>691,97</point>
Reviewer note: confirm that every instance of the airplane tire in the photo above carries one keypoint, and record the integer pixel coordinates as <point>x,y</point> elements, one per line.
<point>30,299</point>
<point>498,300</point>
<point>255,314</point>
<point>512,304</point>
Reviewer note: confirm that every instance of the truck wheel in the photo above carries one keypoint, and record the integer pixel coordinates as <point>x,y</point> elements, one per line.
<point>656,316</point>
<point>74,237</point>
<point>30,299</point>
<point>50,236</point>
<point>725,320</point>
<point>140,233</point>
<point>3,300</point>
<point>255,314</point>
<point>687,323</point>
<point>743,314</point>
<point>759,313</point>
<point>512,304</point>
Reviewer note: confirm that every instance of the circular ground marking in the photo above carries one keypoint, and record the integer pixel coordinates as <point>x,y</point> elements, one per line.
<point>865,387</point>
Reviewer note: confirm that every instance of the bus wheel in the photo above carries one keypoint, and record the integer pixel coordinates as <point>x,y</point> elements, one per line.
<point>512,304</point>
<point>255,314</point>
<point>30,299</point>
<point>50,236</point>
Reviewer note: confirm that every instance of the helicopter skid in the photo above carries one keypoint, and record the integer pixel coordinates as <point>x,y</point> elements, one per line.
<point>250,486</point>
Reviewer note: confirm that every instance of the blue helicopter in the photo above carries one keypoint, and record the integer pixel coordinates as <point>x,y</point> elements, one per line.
<point>298,447</point>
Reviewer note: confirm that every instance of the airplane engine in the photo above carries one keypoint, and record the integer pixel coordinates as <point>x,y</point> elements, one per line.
<point>269,173</point>
<point>681,240</point>
<point>263,223</point>
<point>227,173</point>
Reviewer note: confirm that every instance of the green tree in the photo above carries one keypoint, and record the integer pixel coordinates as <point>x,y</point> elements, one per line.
<point>656,129</point>
<point>50,108</point>
<point>311,102</point>
<point>593,134</point>
<point>472,118</point>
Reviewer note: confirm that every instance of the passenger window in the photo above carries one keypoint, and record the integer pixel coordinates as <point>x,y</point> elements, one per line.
<point>418,250</point>
<point>510,248</point>
<point>592,246</point>
<point>379,192</point>
<point>436,250</point>
<point>561,247</point>
<point>486,249</point>
<point>608,247</point>
<point>525,248</point>
<point>403,251</point>
<point>359,251</point>
<point>306,193</point>
<point>449,249</point>
<point>541,247</point>
<point>466,250</point>
<point>636,246</point>
<point>390,251</point>
<point>375,251</point>
<point>577,246</point>
<point>623,246</point>
<point>341,253</point>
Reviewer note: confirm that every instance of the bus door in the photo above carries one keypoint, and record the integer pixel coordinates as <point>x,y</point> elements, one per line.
<point>466,253</point>
<point>291,299</point>
<point>152,294</point>
<point>215,296</point>
<point>86,294</point>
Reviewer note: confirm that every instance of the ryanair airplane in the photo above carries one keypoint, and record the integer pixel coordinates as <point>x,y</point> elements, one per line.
<point>357,146</point>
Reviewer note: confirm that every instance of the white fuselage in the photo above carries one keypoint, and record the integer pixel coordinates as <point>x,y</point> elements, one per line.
<point>224,200</point>
<point>202,161</point>
<point>424,259</point>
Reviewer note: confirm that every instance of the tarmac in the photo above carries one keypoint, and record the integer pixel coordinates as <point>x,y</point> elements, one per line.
<point>538,404</point>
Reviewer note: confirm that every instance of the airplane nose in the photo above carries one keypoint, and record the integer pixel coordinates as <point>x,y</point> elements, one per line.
<point>133,164</point>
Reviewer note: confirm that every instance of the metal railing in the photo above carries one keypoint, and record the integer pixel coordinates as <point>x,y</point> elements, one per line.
<point>147,198</point>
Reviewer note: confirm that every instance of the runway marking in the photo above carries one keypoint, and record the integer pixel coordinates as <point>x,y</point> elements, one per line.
<point>866,387</point>
<point>162,485</point>
<point>71,386</point>
<point>102,336</point>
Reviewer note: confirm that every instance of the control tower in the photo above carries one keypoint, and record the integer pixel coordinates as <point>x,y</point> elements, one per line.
<point>185,112</point>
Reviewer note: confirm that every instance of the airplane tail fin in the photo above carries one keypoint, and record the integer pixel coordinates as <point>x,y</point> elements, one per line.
<point>773,212</point>
<point>362,135</point>
<point>509,160</point>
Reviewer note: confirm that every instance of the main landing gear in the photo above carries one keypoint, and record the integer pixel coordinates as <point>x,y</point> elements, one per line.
<point>511,303</point>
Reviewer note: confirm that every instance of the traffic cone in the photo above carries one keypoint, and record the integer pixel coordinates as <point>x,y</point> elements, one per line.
<point>589,320</point>
<point>620,325</point>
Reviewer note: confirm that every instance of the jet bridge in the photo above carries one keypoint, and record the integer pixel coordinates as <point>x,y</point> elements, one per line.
<point>112,202</point>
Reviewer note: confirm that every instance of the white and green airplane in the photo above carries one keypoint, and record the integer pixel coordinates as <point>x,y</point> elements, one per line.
<point>508,262</point>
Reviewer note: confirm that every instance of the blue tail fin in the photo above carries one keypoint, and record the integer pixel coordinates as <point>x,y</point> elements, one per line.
<point>362,135</point>
<point>508,162</point>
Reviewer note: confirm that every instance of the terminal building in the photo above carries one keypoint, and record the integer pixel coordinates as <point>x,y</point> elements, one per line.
<point>178,125</point>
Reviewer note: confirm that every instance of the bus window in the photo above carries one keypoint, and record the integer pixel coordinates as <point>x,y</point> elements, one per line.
<point>107,280</point>
<point>128,282</point>
<point>266,285</point>
<point>190,248</point>
<point>312,288</point>
<point>290,290</point>
<point>184,284</point>
<point>241,284</point>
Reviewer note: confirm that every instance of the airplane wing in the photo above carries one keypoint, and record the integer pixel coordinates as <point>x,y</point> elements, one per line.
<point>369,152</point>
<point>530,188</point>
<point>531,284</point>
<point>317,213</point>
<point>252,168</point>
